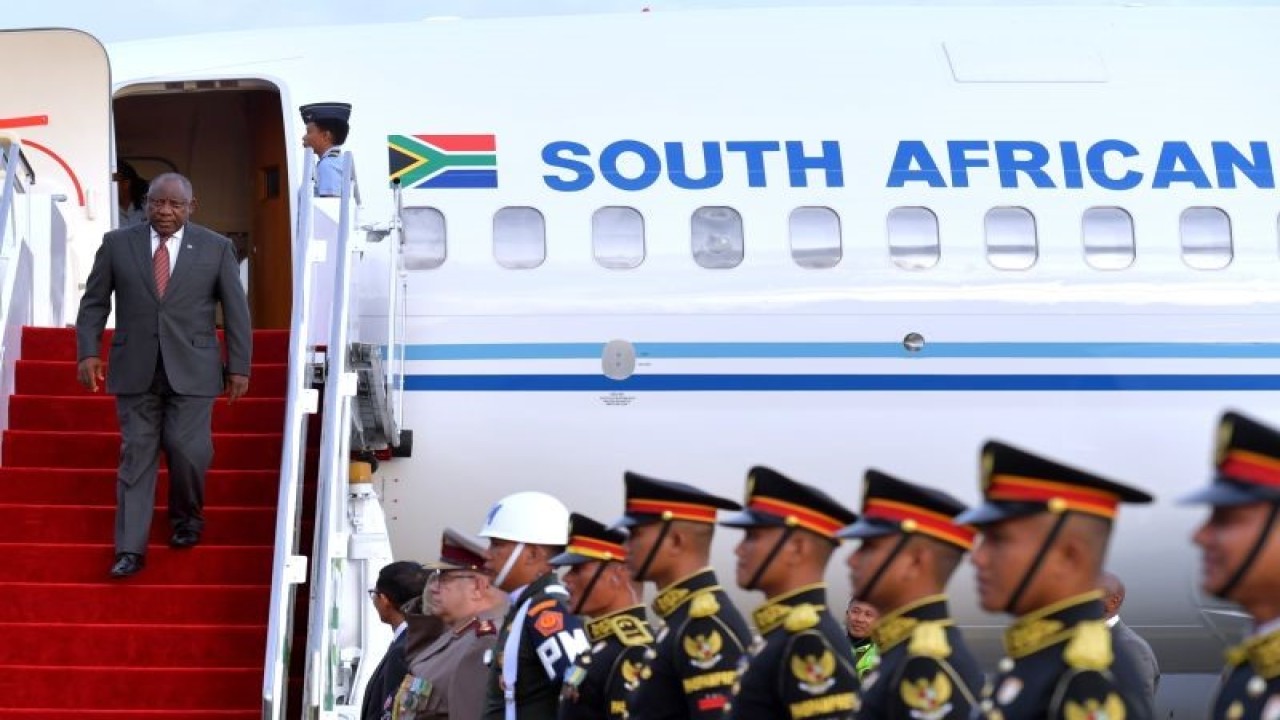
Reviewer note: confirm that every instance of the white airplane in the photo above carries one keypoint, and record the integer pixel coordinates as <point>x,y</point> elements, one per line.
<point>818,239</point>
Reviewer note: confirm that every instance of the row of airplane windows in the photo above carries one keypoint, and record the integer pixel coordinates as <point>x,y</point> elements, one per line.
<point>717,239</point>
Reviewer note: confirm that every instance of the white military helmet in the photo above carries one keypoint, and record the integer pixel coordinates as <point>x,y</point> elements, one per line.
<point>529,517</point>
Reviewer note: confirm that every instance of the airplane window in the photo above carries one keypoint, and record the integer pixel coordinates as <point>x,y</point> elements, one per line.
<point>1011,238</point>
<point>617,237</point>
<point>424,238</point>
<point>519,238</point>
<point>913,238</point>
<point>815,237</point>
<point>1108,238</point>
<point>717,237</point>
<point>1206,238</point>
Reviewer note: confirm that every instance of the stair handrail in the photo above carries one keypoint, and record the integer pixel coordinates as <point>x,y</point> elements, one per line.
<point>288,568</point>
<point>11,156</point>
<point>332,486</point>
<point>397,314</point>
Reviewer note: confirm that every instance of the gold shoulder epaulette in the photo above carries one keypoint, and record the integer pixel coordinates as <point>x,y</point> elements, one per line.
<point>1090,646</point>
<point>801,618</point>
<point>929,639</point>
<point>704,605</point>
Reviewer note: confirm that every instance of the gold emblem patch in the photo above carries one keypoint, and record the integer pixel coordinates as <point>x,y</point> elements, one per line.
<point>1110,708</point>
<point>704,650</point>
<point>814,672</point>
<point>928,699</point>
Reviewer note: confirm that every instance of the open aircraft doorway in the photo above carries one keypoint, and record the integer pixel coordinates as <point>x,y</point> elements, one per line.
<point>227,136</point>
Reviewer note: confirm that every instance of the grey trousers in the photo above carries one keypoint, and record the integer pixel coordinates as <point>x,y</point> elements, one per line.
<point>156,420</point>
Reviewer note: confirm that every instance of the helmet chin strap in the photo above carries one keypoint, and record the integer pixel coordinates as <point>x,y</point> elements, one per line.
<point>777,546</point>
<point>653,551</point>
<point>864,592</point>
<point>506,568</point>
<point>586,592</point>
<point>1035,563</point>
<point>1225,591</point>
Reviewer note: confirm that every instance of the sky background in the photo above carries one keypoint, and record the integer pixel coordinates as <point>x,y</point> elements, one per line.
<point>132,19</point>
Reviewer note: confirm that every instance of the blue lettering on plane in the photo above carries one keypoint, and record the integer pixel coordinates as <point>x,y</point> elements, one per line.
<point>1110,164</point>
<point>634,165</point>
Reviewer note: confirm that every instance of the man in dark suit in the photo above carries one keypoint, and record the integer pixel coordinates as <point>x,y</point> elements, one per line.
<point>399,584</point>
<point>167,277</point>
<point>1139,649</point>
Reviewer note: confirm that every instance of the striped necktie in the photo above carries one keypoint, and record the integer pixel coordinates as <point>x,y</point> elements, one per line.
<point>160,265</point>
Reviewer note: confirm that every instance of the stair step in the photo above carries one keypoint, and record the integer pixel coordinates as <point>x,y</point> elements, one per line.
<point>42,448</point>
<point>78,524</point>
<point>44,713</point>
<point>97,413</point>
<point>205,565</point>
<point>150,645</point>
<point>109,602</point>
<point>57,377</point>
<point>197,688</point>
<point>44,343</point>
<point>71,486</point>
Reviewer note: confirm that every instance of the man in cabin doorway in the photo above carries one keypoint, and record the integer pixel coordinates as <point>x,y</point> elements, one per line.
<point>167,277</point>
<point>327,130</point>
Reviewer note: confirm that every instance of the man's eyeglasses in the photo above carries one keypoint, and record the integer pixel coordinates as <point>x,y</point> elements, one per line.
<point>440,577</point>
<point>373,593</point>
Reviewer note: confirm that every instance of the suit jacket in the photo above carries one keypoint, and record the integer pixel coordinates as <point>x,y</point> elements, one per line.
<point>180,327</point>
<point>385,681</point>
<point>1144,660</point>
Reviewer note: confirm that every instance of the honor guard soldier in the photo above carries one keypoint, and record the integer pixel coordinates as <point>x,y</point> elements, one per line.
<point>327,128</point>
<point>801,667</point>
<point>1045,528</point>
<point>694,662</point>
<point>1242,561</point>
<point>601,679</point>
<point>910,547</point>
<point>539,637</point>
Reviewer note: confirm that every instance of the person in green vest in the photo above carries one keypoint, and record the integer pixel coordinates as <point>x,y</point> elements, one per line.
<point>859,618</point>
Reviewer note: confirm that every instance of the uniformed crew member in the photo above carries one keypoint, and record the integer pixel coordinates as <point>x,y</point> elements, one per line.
<point>1241,561</point>
<point>327,128</point>
<point>1045,528</point>
<point>694,662</point>
<point>447,678</point>
<point>801,667</point>
<point>539,637</point>
<point>910,547</point>
<point>601,680</point>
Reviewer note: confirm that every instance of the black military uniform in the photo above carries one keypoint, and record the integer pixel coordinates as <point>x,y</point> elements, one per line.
<point>1248,473</point>
<point>694,662</point>
<point>802,668</point>
<point>549,639</point>
<point>925,669</point>
<point>1061,662</point>
<point>601,680</point>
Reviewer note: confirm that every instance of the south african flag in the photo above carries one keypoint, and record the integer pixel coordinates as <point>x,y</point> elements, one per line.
<point>443,161</point>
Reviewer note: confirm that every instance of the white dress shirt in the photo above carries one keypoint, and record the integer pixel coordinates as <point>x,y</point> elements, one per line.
<point>174,243</point>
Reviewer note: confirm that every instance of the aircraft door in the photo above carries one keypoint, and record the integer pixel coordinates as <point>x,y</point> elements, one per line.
<point>57,100</point>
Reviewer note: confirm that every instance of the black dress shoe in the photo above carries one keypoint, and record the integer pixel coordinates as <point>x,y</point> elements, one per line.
<point>183,539</point>
<point>127,564</point>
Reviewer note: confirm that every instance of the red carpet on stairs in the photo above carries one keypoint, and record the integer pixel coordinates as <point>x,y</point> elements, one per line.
<point>183,639</point>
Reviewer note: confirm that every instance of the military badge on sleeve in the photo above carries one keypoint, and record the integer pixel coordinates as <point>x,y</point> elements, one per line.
<point>928,699</point>
<point>1109,708</point>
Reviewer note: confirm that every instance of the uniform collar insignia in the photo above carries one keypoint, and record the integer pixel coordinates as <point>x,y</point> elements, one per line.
<point>897,626</point>
<point>773,614</point>
<point>1050,625</point>
<point>628,625</point>
<point>676,594</point>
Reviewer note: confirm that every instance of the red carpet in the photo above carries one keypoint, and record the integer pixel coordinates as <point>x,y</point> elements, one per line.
<point>182,640</point>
